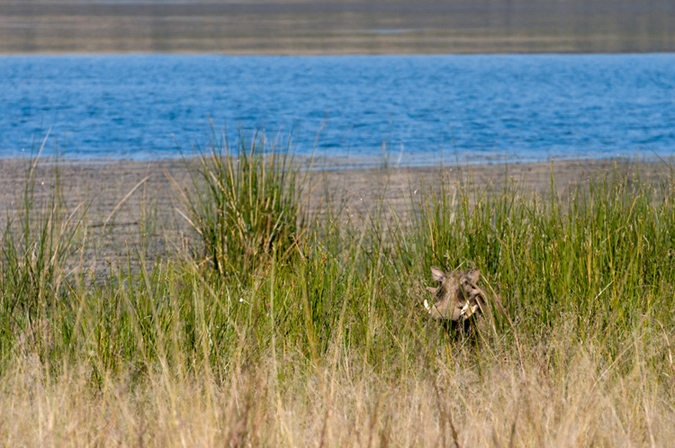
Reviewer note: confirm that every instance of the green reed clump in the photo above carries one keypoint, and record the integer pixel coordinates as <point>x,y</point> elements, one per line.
<point>246,206</point>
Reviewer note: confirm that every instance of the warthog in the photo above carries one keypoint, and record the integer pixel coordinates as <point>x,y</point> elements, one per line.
<point>458,298</point>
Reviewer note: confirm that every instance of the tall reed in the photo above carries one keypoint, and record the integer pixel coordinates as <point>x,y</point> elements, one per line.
<point>246,205</point>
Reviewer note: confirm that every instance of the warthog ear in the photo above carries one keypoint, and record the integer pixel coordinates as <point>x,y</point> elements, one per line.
<point>474,276</point>
<point>437,274</point>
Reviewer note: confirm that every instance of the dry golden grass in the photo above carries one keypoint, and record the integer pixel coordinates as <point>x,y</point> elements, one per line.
<point>558,395</point>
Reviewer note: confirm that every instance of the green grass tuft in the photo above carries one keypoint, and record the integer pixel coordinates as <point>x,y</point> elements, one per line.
<point>246,206</point>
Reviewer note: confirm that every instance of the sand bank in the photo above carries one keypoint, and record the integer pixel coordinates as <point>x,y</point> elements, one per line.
<point>133,205</point>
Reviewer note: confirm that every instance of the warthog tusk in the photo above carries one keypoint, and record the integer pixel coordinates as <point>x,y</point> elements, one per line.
<point>468,310</point>
<point>426,305</point>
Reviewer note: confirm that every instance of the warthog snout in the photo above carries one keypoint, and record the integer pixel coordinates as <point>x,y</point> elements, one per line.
<point>457,296</point>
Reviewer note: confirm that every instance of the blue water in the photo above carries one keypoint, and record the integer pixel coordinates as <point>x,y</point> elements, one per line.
<point>414,109</point>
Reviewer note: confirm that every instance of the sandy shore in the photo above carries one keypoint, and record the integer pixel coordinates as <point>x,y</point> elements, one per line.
<point>131,203</point>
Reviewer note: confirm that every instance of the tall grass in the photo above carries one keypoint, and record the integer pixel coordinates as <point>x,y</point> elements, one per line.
<point>600,256</point>
<point>246,204</point>
<point>36,244</point>
<point>281,330</point>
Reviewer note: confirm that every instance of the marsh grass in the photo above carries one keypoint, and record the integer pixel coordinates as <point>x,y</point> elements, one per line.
<point>278,330</point>
<point>246,204</point>
<point>37,252</point>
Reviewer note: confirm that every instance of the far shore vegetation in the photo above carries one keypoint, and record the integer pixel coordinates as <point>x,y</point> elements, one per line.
<point>280,319</point>
<point>320,27</point>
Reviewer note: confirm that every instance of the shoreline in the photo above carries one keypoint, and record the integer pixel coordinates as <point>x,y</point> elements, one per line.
<point>107,181</point>
<point>301,53</point>
<point>349,161</point>
<point>133,206</point>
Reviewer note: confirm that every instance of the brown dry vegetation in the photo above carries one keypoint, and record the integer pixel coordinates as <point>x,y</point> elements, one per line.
<point>560,395</point>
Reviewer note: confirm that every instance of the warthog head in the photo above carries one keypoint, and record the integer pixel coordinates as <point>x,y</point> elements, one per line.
<point>457,296</point>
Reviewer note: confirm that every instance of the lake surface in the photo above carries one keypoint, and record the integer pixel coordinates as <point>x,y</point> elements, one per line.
<point>414,109</point>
